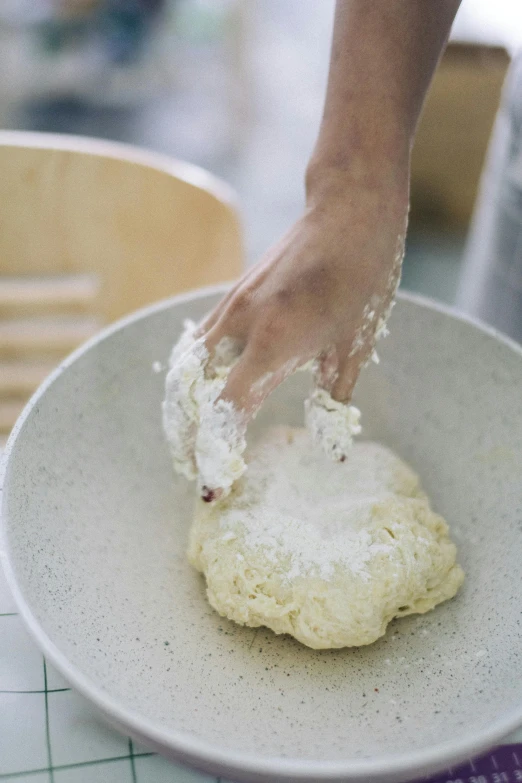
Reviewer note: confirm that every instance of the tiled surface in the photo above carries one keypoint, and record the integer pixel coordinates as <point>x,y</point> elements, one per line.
<point>55,681</point>
<point>23,741</point>
<point>20,662</point>
<point>162,771</point>
<point>77,733</point>
<point>113,771</point>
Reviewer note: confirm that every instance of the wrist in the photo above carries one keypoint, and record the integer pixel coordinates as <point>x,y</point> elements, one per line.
<point>335,176</point>
<point>361,144</point>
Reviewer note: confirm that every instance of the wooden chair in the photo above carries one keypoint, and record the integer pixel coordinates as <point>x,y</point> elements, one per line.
<point>89,231</point>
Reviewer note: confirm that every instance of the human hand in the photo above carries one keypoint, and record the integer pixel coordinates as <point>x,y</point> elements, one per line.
<point>323,292</point>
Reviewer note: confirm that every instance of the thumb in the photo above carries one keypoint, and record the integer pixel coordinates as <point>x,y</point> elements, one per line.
<point>338,369</point>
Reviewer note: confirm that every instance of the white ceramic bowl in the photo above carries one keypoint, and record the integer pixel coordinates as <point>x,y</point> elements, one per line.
<point>94,535</point>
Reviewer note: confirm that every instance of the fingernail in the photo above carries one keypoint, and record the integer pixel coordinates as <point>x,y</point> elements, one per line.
<point>208,495</point>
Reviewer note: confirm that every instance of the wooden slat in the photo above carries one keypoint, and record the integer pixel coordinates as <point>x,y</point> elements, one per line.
<point>22,377</point>
<point>44,335</point>
<point>65,292</point>
<point>9,412</point>
<point>454,133</point>
<point>148,226</point>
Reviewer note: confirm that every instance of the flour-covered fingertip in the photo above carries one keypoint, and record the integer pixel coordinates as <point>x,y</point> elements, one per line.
<point>210,495</point>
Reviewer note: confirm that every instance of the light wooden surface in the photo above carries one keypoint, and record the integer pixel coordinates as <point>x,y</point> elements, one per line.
<point>89,231</point>
<point>454,133</point>
<point>27,294</point>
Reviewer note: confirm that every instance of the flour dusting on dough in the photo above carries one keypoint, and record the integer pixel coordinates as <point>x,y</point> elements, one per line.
<point>329,553</point>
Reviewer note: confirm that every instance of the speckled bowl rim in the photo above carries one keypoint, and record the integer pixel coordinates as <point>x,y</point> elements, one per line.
<point>185,747</point>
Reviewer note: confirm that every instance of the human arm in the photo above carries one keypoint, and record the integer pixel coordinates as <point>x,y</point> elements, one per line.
<point>306,297</point>
<point>324,291</point>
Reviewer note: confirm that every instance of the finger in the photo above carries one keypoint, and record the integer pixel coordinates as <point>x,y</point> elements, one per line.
<point>233,321</point>
<point>248,385</point>
<point>178,421</point>
<point>215,315</point>
<point>226,330</point>
<point>327,369</point>
<point>349,366</point>
<point>224,343</point>
<point>330,419</point>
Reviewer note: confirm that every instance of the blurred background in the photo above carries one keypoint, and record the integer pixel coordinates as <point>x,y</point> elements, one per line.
<point>237,87</point>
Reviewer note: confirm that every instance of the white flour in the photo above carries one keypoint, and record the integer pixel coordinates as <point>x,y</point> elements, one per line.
<point>299,506</point>
<point>205,434</point>
<point>331,424</point>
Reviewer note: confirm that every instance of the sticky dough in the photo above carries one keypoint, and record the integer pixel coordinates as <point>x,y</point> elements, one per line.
<point>327,552</point>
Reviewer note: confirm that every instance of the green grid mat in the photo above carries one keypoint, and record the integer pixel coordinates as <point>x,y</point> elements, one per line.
<point>29,752</point>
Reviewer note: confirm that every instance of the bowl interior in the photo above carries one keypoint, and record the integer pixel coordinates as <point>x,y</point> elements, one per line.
<point>97,525</point>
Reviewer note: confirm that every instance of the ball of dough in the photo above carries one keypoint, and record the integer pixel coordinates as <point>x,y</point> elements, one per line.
<point>327,552</point>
